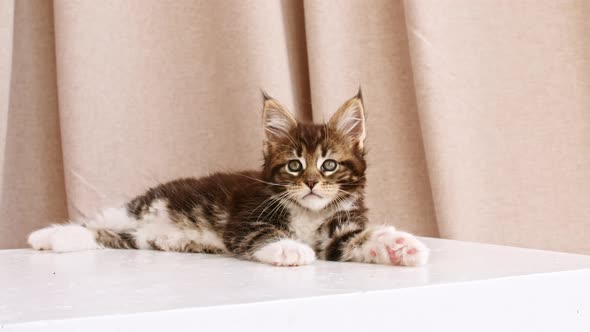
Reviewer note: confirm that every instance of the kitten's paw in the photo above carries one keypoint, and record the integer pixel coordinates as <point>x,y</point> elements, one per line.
<point>285,252</point>
<point>388,246</point>
<point>63,238</point>
<point>41,238</point>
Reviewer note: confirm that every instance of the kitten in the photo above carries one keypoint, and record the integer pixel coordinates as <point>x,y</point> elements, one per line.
<point>306,202</point>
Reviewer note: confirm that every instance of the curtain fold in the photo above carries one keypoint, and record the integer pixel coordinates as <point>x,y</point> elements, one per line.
<point>6,32</point>
<point>32,192</point>
<point>504,102</point>
<point>478,111</point>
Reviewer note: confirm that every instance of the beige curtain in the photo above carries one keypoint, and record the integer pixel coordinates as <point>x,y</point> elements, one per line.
<point>479,111</point>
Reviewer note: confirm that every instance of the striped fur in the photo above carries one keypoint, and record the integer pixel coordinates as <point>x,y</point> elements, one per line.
<point>307,201</point>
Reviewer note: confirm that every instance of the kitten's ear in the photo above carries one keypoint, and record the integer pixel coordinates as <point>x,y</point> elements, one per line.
<point>276,119</point>
<point>350,120</point>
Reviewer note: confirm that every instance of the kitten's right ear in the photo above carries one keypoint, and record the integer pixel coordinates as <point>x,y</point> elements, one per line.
<point>277,121</point>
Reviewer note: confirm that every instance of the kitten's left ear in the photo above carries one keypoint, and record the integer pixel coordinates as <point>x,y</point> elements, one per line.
<point>350,120</point>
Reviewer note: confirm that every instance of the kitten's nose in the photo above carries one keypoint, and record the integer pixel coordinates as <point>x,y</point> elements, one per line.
<point>311,183</point>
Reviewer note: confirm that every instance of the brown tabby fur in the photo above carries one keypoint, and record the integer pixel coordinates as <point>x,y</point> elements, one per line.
<point>279,214</point>
<point>240,206</point>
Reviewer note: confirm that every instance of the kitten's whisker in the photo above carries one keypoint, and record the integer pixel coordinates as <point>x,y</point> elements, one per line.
<point>341,208</point>
<point>349,194</point>
<point>259,205</point>
<point>263,202</point>
<point>277,200</point>
<point>261,181</point>
<point>277,208</point>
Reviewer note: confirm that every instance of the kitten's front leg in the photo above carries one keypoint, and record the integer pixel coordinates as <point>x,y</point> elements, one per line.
<point>386,245</point>
<point>351,241</point>
<point>265,243</point>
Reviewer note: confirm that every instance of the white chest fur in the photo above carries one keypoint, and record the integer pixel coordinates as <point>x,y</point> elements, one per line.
<point>305,224</point>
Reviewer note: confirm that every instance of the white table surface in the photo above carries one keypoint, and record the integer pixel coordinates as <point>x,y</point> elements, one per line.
<point>465,287</point>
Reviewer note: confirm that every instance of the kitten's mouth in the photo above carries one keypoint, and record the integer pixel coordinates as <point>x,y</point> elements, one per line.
<point>311,194</point>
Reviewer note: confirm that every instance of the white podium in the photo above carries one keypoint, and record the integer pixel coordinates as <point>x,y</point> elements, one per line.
<point>465,287</point>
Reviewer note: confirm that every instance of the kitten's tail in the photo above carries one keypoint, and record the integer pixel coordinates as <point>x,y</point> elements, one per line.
<point>112,228</point>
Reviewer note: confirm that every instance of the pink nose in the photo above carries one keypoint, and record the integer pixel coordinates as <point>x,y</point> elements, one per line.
<point>311,183</point>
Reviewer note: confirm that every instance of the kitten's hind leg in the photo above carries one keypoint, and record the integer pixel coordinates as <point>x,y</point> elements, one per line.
<point>110,228</point>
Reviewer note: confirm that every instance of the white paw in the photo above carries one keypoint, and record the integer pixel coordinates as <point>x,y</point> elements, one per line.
<point>388,246</point>
<point>285,253</point>
<point>63,238</point>
<point>41,239</point>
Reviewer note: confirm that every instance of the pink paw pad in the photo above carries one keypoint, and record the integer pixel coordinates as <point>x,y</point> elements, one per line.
<point>412,251</point>
<point>373,253</point>
<point>392,255</point>
<point>400,240</point>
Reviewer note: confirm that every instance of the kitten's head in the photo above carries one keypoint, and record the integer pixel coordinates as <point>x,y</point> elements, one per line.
<point>316,166</point>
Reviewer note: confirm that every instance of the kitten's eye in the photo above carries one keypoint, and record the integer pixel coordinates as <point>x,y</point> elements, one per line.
<point>294,166</point>
<point>329,165</point>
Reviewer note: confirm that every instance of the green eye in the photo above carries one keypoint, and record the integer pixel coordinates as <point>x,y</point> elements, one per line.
<point>329,165</point>
<point>294,166</point>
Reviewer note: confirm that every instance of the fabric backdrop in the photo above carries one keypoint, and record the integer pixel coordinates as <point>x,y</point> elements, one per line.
<point>478,111</point>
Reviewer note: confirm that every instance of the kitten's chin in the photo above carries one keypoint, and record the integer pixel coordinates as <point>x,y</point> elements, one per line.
<point>314,203</point>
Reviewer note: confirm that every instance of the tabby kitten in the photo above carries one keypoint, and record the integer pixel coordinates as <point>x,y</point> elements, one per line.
<point>306,202</point>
